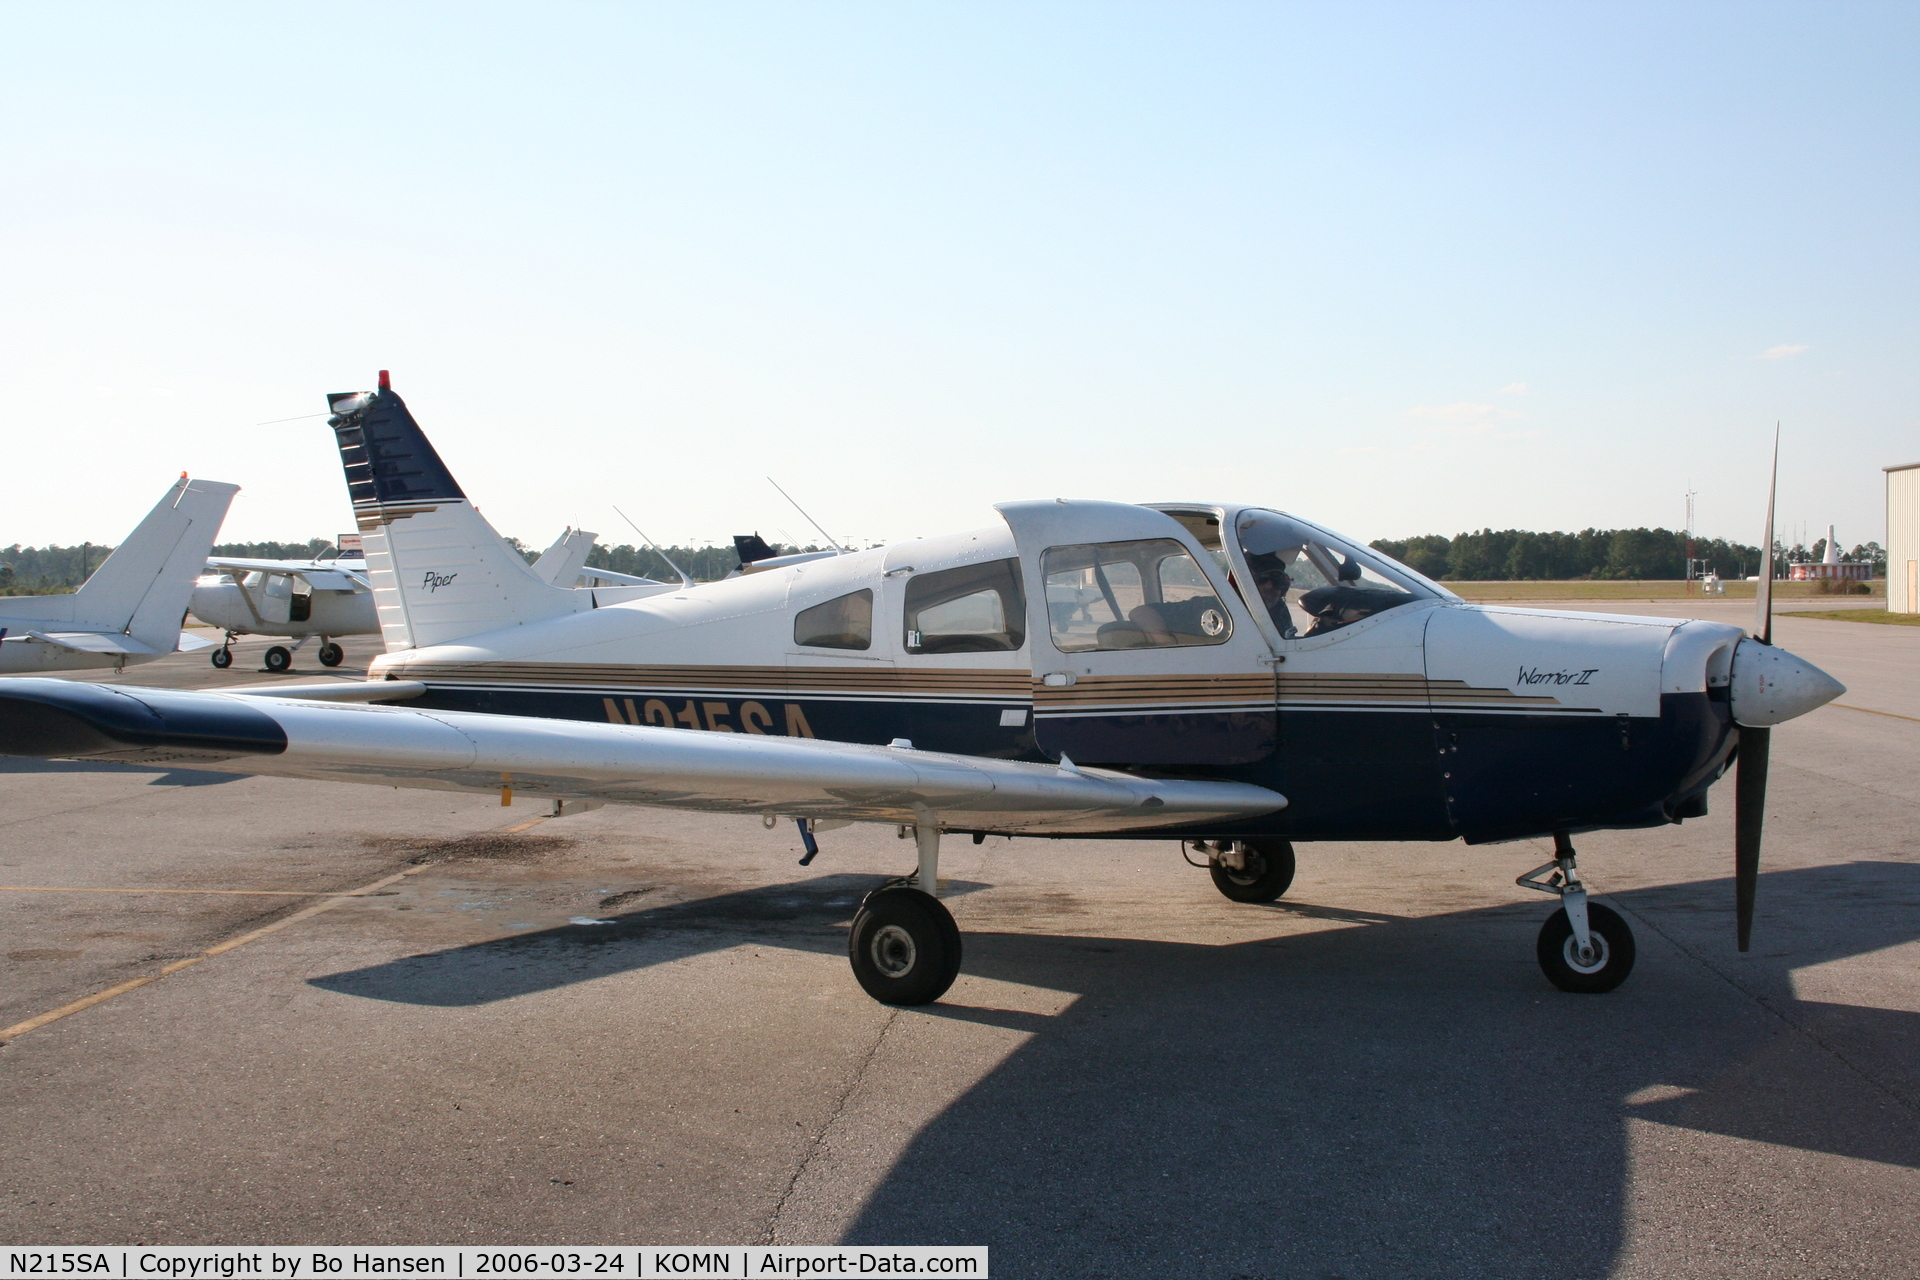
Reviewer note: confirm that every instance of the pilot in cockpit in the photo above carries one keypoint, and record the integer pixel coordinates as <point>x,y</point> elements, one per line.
<point>1271,580</point>
<point>1335,589</point>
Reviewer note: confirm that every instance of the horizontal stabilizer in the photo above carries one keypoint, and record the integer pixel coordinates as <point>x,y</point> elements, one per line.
<point>622,764</point>
<point>95,642</point>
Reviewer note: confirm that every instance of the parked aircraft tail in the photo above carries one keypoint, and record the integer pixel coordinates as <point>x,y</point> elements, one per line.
<point>440,572</point>
<point>142,590</point>
<point>562,562</point>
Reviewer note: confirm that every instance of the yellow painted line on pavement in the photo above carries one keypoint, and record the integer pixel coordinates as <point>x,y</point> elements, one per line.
<point>249,893</point>
<point>509,831</point>
<point>99,997</point>
<point>1893,715</point>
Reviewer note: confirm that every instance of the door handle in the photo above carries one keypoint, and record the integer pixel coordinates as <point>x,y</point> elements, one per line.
<point>1058,679</point>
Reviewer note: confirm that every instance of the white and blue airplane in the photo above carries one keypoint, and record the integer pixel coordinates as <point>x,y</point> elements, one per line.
<point>129,610</point>
<point>1222,674</point>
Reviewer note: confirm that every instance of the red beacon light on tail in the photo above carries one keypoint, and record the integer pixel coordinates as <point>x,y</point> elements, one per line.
<point>385,383</point>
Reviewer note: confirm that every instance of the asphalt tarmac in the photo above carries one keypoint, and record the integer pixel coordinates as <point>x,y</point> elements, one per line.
<point>635,1026</point>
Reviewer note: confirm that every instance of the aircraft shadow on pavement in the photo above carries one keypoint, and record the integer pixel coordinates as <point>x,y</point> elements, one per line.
<point>1400,1097</point>
<point>806,915</point>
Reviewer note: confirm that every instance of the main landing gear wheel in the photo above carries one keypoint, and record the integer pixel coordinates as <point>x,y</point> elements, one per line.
<point>279,658</point>
<point>1605,966</point>
<point>1265,871</point>
<point>222,658</point>
<point>904,946</point>
<point>331,654</point>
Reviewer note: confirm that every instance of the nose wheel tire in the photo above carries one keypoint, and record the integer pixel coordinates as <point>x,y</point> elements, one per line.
<point>1605,969</point>
<point>279,658</point>
<point>331,654</point>
<point>904,946</point>
<point>1266,872</point>
<point>222,658</point>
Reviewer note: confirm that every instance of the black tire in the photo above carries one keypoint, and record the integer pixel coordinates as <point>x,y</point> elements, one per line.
<point>279,658</point>
<point>1268,872</point>
<point>331,655</point>
<point>1560,961</point>
<point>904,946</point>
<point>222,658</point>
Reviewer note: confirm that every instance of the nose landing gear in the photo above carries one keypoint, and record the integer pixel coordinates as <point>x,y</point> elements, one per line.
<point>1583,947</point>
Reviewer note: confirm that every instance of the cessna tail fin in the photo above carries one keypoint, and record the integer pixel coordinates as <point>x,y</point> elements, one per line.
<point>143,588</point>
<point>440,572</point>
<point>562,562</point>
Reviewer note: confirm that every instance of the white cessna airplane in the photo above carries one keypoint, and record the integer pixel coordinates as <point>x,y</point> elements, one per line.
<point>1229,676</point>
<point>302,599</point>
<point>130,609</point>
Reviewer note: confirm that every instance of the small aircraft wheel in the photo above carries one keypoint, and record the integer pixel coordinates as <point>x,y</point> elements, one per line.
<point>222,658</point>
<point>1612,947</point>
<point>904,946</point>
<point>279,658</point>
<point>331,654</point>
<point>1268,872</point>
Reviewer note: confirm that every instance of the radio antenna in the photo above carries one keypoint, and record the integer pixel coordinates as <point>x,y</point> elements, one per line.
<point>810,520</point>
<point>685,580</point>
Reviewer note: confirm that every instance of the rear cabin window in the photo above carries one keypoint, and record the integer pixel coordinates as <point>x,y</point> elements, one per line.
<point>845,622</point>
<point>978,608</point>
<point>1130,595</point>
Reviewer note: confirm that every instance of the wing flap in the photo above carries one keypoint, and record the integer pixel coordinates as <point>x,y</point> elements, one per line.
<point>633,764</point>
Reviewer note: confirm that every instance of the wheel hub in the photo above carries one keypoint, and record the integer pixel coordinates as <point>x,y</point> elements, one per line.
<point>1595,961</point>
<point>893,951</point>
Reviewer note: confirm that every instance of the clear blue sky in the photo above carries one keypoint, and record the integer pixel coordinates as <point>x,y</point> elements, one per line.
<point>1399,268</point>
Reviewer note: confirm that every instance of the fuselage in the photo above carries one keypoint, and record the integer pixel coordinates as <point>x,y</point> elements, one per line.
<point>1413,715</point>
<point>290,603</point>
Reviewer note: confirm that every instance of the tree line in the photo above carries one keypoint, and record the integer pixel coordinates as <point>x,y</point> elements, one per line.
<point>1509,555</point>
<point>1487,556</point>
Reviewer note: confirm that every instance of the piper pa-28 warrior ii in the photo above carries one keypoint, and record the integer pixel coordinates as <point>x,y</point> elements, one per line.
<point>129,610</point>
<point>1229,676</point>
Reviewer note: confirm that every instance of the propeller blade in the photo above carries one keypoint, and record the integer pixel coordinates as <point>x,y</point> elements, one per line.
<point>1749,816</point>
<point>1763,593</point>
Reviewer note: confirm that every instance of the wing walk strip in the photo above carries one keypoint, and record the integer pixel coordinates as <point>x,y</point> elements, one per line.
<point>219,948</point>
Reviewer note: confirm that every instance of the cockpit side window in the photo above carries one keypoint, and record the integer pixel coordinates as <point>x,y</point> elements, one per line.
<point>844,622</point>
<point>1310,583</point>
<point>1148,594</point>
<point>977,608</point>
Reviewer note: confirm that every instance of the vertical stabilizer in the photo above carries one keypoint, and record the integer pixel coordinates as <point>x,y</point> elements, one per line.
<point>143,588</point>
<point>440,572</point>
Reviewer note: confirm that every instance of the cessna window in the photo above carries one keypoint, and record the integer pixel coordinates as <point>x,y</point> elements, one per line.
<point>1310,583</point>
<point>845,622</point>
<point>1130,595</point>
<point>979,608</point>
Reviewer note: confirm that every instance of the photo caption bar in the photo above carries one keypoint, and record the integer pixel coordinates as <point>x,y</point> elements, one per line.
<point>465,1262</point>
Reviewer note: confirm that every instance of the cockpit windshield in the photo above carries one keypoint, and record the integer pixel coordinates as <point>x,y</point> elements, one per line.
<point>1311,582</point>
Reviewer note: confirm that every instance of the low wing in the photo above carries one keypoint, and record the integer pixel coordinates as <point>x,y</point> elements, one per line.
<point>321,577</point>
<point>624,764</point>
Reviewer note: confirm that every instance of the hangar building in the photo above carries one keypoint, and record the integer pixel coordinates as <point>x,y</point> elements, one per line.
<point>1903,537</point>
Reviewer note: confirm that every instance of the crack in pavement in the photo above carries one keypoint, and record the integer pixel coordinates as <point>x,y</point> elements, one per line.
<point>819,1140</point>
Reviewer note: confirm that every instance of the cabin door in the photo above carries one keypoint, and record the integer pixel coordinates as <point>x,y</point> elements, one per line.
<point>1142,652</point>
